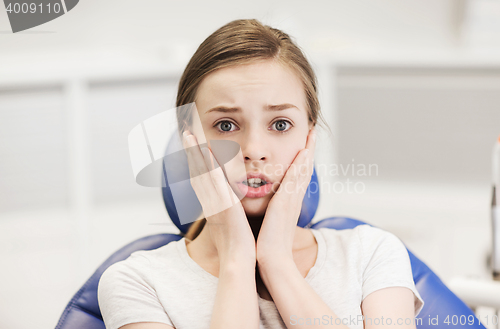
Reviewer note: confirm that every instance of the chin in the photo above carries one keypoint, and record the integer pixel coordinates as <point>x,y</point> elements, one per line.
<point>255,206</point>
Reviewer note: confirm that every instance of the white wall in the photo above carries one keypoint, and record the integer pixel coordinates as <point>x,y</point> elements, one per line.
<point>157,23</point>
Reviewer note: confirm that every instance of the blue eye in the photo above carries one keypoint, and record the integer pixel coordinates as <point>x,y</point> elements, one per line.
<point>224,126</point>
<point>281,126</point>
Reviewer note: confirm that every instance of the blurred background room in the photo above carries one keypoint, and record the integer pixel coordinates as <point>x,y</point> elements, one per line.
<point>411,87</point>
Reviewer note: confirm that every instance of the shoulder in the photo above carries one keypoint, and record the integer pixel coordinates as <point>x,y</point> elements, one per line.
<point>361,233</point>
<point>126,291</point>
<point>384,254</point>
<point>138,265</point>
<point>340,245</point>
<point>365,240</point>
<point>133,269</point>
<point>372,238</point>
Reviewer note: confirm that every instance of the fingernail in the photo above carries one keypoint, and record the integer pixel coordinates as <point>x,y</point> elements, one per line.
<point>306,151</point>
<point>314,134</point>
<point>185,134</point>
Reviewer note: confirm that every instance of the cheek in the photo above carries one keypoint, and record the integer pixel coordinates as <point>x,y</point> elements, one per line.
<point>284,158</point>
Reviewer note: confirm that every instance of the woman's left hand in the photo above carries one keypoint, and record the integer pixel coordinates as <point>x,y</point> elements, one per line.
<point>276,235</point>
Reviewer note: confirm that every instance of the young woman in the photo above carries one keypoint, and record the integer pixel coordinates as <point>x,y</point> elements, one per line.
<point>250,265</point>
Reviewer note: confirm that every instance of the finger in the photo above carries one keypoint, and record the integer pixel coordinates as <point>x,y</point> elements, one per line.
<point>208,158</point>
<point>216,171</point>
<point>289,182</point>
<point>198,153</point>
<point>219,178</point>
<point>301,169</point>
<point>196,161</point>
<point>298,175</point>
<point>223,196</point>
<point>311,142</point>
<point>305,157</point>
<point>311,138</point>
<point>197,165</point>
<point>209,174</point>
<point>301,164</point>
<point>311,146</point>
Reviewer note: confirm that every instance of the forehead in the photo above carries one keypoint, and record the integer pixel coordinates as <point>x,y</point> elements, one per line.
<point>256,84</point>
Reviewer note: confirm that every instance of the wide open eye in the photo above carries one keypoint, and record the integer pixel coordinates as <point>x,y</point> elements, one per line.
<point>282,126</point>
<point>224,126</point>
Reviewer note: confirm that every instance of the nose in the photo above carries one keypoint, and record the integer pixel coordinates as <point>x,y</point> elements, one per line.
<point>254,147</point>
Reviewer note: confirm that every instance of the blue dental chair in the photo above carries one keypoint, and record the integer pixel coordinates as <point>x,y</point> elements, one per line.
<point>82,312</point>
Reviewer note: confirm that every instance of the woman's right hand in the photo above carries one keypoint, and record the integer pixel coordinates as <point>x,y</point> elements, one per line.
<point>224,213</point>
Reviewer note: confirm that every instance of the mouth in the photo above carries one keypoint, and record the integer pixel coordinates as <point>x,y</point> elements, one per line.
<point>255,185</point>
<point>254,182</point>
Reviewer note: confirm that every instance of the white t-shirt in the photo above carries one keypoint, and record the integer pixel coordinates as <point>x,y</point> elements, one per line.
<point>166,285</point>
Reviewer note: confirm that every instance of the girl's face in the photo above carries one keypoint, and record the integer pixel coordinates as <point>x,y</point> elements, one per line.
<point>262,107</point>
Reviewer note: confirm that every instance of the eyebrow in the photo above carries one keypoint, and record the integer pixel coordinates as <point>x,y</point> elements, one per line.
<point>273,108</point>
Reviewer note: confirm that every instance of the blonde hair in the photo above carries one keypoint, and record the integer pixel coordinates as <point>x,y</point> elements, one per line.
<point>241,42</point>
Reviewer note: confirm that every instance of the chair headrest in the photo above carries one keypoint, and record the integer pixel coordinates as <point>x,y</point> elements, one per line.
<point>309,203</point>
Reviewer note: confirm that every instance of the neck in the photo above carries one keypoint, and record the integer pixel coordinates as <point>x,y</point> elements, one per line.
<point>204,239</point>
<point>255,223</point>
<point>205,243</point>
